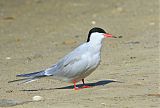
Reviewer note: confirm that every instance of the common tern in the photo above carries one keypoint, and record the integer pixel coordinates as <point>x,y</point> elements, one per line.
<point>76,65</point>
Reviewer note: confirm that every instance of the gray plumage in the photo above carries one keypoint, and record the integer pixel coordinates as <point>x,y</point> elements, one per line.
<point>76,65</point>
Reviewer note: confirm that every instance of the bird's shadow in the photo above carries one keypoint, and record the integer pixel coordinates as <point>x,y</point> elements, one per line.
<point>98,83</point>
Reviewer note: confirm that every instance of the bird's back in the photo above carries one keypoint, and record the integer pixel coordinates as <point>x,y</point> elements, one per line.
<point>76,65</point>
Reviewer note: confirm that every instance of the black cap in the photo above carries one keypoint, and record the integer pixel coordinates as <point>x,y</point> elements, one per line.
<point>93,30</point>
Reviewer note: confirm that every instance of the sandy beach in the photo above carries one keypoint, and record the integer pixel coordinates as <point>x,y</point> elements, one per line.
<point>34,34</point>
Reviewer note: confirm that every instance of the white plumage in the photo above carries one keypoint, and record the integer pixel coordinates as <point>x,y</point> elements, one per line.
<point>76,65</point>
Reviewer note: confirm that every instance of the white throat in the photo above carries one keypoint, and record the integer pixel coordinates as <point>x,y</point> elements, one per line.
<point>96,41</point>
<point>96,38</point>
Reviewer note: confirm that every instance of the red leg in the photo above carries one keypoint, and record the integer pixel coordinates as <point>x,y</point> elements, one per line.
<point>84,85</point>
<point>75,87</point>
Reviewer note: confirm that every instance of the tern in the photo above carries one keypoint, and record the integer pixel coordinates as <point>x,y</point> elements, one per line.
<point>76,65</point>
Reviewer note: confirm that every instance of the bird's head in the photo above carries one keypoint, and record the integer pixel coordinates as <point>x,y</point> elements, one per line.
<point>97,33</point>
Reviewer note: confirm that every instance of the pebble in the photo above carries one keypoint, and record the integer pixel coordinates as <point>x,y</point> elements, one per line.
<point>104,104</point>
<point>37,98</point>
<point>8,58</point>
<point>151,23</point>
<point>93,22</point>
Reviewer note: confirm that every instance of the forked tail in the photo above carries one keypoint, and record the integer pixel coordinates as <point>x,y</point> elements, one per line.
<point>30,77</point>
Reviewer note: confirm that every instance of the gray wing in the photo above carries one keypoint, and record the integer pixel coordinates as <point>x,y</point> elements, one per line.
<point>71,65</point>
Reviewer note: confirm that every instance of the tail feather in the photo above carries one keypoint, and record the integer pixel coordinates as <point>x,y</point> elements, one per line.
<point>29,77</point>
<point>33,74</point>
<point>24,80</point>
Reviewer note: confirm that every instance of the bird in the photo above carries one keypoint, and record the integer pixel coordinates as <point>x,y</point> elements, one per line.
<point>76,65</point>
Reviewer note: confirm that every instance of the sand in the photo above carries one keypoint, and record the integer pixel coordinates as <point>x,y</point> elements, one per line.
<point>34,34</point>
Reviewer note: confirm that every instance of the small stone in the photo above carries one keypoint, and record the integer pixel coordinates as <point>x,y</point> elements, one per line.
<point>151,23</point>
<point>104,104</point>
<point>37,98</point>
<point>93,22</point>
<point>8,58</point>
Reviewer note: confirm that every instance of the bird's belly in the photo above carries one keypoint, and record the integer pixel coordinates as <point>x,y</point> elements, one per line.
<point>93,63</point>
<point>79,70</point>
